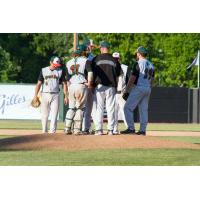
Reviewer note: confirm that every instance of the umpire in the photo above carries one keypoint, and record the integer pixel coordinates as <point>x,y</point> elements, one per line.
<point>106,71</point>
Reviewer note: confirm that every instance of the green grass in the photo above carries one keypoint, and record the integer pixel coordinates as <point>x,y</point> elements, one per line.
<point>36,124</point>
<point>194,140</point>
<point>125,157</point>
<point>6,136</point>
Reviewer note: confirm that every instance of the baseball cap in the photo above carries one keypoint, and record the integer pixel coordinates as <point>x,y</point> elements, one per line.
<point>78,50</point>
<point>82,47</point>
<point>56,61</point>
<point>104,44</point>
<point>116,55</point>
<point>142,50</point>
<point>86,42</point>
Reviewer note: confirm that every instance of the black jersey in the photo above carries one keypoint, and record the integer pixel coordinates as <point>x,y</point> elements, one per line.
<point>106,69</point>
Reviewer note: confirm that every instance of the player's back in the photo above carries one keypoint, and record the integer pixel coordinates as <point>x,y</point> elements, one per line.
<point>146,70</point>
<point>76,70</point>
<point>106,69</point>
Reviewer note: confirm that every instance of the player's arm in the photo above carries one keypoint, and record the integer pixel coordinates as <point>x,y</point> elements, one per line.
<point>118,69</point>
<point>130,84</point>
<point>65,90</point>
<point>39,84</point>
<point>133,77</point>
<point>89,71</point>
<point>37,88</point>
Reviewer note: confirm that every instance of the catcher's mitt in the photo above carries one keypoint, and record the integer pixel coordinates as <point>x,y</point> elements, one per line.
<point>35,102</point>
<point>125,96</point>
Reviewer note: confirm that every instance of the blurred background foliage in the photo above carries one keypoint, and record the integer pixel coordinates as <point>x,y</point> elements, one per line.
<point>22,55</point>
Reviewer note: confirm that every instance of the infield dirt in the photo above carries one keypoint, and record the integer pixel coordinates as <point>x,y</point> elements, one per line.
<point>86,142</point>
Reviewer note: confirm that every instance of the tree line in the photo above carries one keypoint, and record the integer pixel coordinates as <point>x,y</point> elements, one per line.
<point>22,55</point>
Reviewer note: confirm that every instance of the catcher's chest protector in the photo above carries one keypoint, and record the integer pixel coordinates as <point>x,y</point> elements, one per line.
<point>76,68</point>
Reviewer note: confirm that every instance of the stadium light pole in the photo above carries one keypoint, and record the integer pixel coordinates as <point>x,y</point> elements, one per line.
<point>75,41</point>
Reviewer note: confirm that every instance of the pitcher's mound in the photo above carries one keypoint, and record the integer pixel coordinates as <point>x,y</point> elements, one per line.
<point>63,142</point>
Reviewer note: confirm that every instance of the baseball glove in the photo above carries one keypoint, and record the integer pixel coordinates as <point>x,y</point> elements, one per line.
<point>35,102</point>
<point>125,96</point>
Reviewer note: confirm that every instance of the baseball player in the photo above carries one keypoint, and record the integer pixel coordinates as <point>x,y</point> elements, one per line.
<point>142,76</point>
<point>90,109</point>
<point>90,46</point>
<point>50,77</point>
<point>119,101</point>
<point>77,84</point>
<point>106,70</point>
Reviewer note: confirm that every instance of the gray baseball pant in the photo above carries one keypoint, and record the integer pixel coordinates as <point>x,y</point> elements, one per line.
<point>139,96</point>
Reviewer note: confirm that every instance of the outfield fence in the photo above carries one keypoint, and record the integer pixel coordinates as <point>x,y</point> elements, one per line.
<point>171,105</point>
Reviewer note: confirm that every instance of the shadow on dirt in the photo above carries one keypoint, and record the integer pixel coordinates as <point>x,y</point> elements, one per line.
<point>9,143</point>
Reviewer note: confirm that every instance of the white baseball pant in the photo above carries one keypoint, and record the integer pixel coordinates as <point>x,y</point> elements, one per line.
<point>90,110</point>
<point>77,101</point>
<point>49,103</point>
<point>105,94</point>
<point>119,109</point>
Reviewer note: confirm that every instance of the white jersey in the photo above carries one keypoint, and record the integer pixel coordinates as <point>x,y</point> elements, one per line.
<point>51,79</point>
<point>76,69</point>
<point>122,78</point>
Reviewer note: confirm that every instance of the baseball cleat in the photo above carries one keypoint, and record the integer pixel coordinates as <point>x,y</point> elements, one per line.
<point>141,133</point>
<point>78,133</point>
<point>67,132</point>
<point>98,133</point>
<point>110,133</point>
<point>92,132</point>
<point>86,132</point>
<point>116,133</point>
<point>128,131</point>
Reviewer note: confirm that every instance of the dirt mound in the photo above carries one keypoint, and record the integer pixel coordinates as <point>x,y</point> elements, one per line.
<point>149,133</point>
<point>69,143</point>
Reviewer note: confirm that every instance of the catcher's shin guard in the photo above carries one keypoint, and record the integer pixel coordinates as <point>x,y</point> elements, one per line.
<point>78,119</point>
<point>69,119</point>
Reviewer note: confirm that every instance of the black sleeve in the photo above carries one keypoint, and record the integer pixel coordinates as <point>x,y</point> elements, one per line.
<point>153,75</point>
<point>135,70</point>
<point>88,66</point>
<point>118,69</point>
<point>68,76</point>
<point>62,78</point>
<point>127,77</point>
<point>41,77</point>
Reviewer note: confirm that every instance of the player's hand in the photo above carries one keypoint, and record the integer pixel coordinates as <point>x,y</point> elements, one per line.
<point>90,86</point>
<point>125,96</point>
<point>66,100</point>
<point>35,98</point>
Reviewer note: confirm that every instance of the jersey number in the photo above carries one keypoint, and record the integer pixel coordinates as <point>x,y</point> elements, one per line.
<point>75,69</point>
<point>148,73</point>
